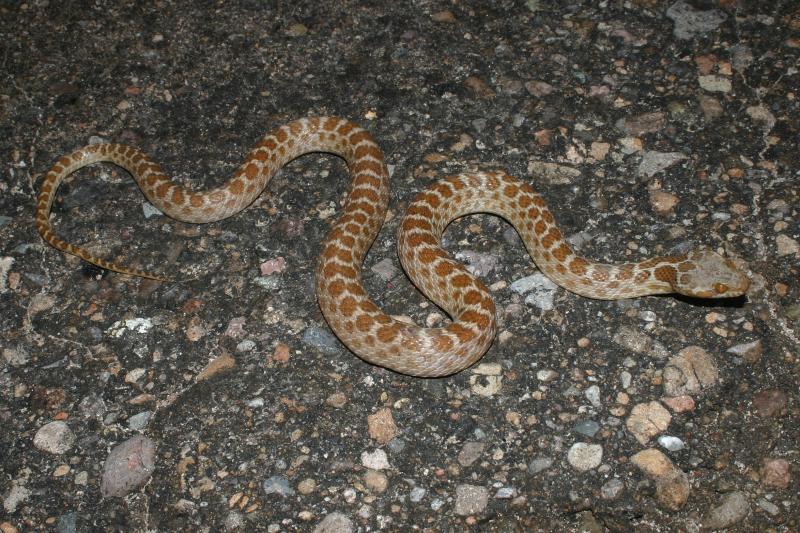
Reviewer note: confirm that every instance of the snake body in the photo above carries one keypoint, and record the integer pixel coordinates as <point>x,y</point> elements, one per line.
<point>355,318</point>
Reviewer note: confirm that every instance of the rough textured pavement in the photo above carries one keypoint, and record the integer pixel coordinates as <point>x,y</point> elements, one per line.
<point>222,402</point>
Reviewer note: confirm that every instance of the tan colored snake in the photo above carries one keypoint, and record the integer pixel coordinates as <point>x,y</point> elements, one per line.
<point>354,317</point>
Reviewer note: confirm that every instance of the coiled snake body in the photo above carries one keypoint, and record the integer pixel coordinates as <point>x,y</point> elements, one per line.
<point>354,317</point>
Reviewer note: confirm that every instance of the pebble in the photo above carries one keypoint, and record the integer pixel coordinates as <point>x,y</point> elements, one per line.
<point>322,340</point>
<point>139,421</point>
<point>654,162</point>
<point>712,109</point>
<point>218,365</point>
<point>679,404</point>
<point>16,356</point>
<point>587,427</point>
<point>768,506</point>
<point>335,523</point>
<point>234,521</point>
<point>306,486</point>
<point>691,371</point>
<point>638,342</point>
<point>376,460</point>
<point>673,444</point>
<point>471,499</point>
<point>479,264</point>
<point>786,245</point>
<point>647,420</point>
<point>611,489</point>
<point>470,452</point>
<point>488,369</point>
<point>584,456</point>
<point>128,466</point>
<point>750,352</point>
<point>775,473</point>
<point>55,438</point>
<point>732,509</point>
<point>381,426</point>
<point>15,496</point>
<point>771,403</point>
<point>337,400</point>
<point>132,376</point>
<point>639,125</point>
<point>553,173</point>
<point>277,485</point>
<point>67,523</point>
<point>691,22</point>
<point>416,494</point>
<point>741,56</point>
<point>715,83</point>
<point>540,464</point>
<point>541,290</point>
<point>761,115</point>
<point>376,481</point>
<point>546,375</point>
<point>486,385</point>
<point>539,88</point>
<point>662,202</point>
<point>672,484</point>
<point>385,269</point>
<point>506,493</point>
<point>592,394</point>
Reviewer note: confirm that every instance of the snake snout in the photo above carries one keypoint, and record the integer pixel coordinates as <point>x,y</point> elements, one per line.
<point>713,276</point>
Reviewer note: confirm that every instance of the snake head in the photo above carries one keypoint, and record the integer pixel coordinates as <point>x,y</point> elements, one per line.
<point>706,274</point>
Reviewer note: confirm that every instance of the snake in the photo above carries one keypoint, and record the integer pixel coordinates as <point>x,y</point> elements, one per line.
<point>360,323</point>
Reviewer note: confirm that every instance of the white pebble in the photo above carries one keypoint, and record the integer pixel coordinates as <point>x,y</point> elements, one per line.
<point>375,460</point>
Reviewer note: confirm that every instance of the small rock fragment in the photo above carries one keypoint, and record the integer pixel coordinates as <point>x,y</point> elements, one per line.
<point>470,452</point>
<point>638,125</point>
<point>638,342</point>
<point>277,485</point>
<point>672,484</point>
<point>335,523</point>
<point>55,438</point>
<point>539,464</point>
<point>662,202</point>
<point>691,371</point>
<point>129,465</point>
<point>691,22</point>
<point>306,486</point>
<point>272,266</point>
<point>553,173</point>
<point>584,456</point>
<point>375,481</point>
<point>647,420</point>
<point>750,352</point>
<point>375,460</point>
<point>771,403</point>
<point>471,499</point>
<point>715,83</point>
<point>381,426</point>
<point>786,245</point>
<point>731,510</point>
<point>611,489</point>
<point>775,473</point>
<point>679,404</point>
<point>654,162</point>
<point>216,366</point>
<point>671,443</point>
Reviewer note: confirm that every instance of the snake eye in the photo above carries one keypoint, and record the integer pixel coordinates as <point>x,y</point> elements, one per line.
<point>721,288</point>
